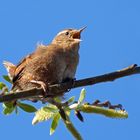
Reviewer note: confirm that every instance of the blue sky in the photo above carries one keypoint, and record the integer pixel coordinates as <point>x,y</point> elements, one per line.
<point>110,42</point>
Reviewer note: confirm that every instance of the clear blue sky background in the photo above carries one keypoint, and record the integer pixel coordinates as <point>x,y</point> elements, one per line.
<point>110,42</point>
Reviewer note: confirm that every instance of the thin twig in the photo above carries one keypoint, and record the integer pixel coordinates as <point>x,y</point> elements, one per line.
<point>69,125</point>
<point>59,88</point>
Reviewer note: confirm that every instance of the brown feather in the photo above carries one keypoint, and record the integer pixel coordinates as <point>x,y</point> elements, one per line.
<point>50,64</point>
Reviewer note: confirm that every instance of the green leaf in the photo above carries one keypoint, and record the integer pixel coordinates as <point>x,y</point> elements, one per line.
<point>2,85</point>
<point>103,111</point>
<point>6,77</point>
<point>26,107</point>
<point>8,108</point>
<point>54,123</point>
<point>69,125</point>
<point>42,115</point>
<point>70,100</point>
<point>8,104</point>
<point>82,96</point>
<point>50,108</point>
<point>7,111</point>
<point>57,99</point>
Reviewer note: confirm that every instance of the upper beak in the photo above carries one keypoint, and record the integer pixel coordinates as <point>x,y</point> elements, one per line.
<point>76,34</point>
<point>82,29</point>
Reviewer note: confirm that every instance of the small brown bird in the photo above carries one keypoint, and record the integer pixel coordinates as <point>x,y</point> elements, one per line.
<point>50,64</point>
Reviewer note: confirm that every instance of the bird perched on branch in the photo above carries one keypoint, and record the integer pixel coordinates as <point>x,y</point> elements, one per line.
<point>51,64</point>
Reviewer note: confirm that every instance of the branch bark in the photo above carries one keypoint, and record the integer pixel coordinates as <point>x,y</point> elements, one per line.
<point>59,88</point>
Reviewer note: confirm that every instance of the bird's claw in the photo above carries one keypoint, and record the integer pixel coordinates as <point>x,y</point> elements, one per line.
<point>43,85</point>
<point>70,80</point>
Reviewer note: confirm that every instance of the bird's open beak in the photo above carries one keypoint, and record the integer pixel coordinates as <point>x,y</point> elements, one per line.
<point>82,29</point>
<point>77,34</point>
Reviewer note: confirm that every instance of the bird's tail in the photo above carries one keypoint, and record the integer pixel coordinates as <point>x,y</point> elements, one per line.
<point>10,68</point>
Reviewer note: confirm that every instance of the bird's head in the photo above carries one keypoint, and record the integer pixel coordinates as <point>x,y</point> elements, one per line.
<point>68,37</point>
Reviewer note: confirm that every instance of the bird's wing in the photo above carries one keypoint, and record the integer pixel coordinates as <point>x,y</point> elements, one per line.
<point>21,66</point>
<point>13,70</point>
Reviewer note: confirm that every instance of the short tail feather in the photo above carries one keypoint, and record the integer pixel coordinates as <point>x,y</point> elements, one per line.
<point>10,68</point>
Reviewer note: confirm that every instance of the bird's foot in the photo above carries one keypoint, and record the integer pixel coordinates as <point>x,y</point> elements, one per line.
<point>107,104</point>
<point>70,80</point>
<point>43,85</point>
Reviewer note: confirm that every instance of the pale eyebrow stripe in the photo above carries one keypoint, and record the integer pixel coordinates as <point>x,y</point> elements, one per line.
<point>62,32</point>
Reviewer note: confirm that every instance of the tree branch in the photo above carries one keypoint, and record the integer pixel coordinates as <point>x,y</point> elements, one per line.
<point>59,88</point>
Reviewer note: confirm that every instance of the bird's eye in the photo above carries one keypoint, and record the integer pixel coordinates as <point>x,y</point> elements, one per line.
<point>67,33</point>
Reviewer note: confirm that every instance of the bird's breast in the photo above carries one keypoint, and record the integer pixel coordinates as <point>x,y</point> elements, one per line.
<point>72,62</point>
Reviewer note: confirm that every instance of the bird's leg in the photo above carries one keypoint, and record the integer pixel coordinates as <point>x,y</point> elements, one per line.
<point>49,99</point>
<point>73,81</point>
<point>70,80</point>
<point>43,85</point>
<point>107,104</point>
